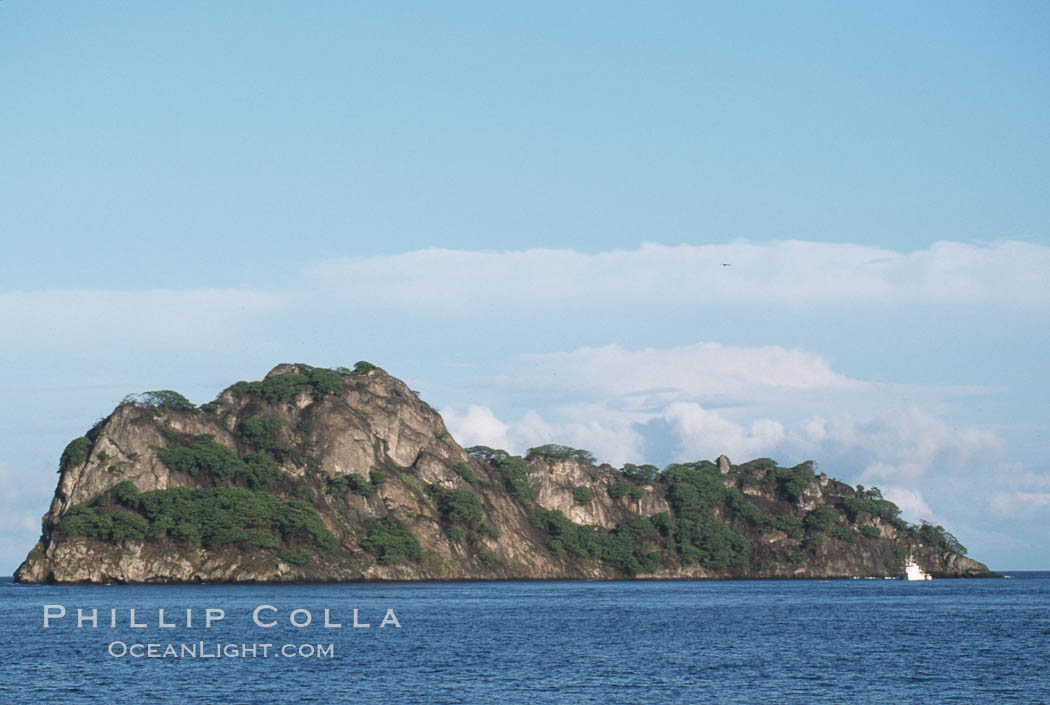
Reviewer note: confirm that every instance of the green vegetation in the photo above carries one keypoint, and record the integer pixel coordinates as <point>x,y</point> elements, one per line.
<point>209,517</point>
<point>788,523</point>
<point>75,453</point>
<point>512,468</point>
<point>258,433</point>
<point>434,490</point>
<point>305,493</point>
<point>339,484</point>
<point>278,389</point>
<point>627,547</point>
<point>461,514</point>
<point>161,399</point>
<point>707,541</point>
<point>694,488</point>
<point>361,367</point>
<point>391,541</point>
<point>813,542</point>
<point>84,521</point>
<point>286,387</point>
<point>764,465</point>
<point>124,492</point>
<point>566,535</point>
<point>792,482</point>
<point>705,512</point>
<point>644,474</point>
<point>96,429</point>
<point>553,451</point>
<point>212,407</point>
<point>693,491</point>
<point>324,381</point>
<point>262,471</point>
<point>128,526</point>
<point>299,556</point>
<point>938,537</point>
<point>843,534</point>
<point>752,514</point>
<point>896,563</point>
<point>871,502</point>
<point>871,532</point>
<point>203,457</point>
<point>464,471</point>
<point>821,518</point>
<point>619,489</point>
<point>461,507</point>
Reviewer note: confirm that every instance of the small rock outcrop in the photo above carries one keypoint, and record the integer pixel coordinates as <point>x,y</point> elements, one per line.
<point>346,475</point>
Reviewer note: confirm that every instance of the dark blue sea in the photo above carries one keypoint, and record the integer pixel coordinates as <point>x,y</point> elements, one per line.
<point>844,641</point>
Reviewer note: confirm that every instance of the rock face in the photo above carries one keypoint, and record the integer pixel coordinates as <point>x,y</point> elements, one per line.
<point>362,481</point>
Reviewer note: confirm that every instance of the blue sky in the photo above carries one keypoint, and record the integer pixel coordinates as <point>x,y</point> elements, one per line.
<point>524,212</point>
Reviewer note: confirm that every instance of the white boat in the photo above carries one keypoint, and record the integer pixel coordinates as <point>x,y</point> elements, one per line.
<point>912,571</point>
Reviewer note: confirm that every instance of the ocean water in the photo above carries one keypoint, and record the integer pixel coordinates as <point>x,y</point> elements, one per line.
<point>840,641</point>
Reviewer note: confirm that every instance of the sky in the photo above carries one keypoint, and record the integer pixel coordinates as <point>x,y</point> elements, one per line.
<point>658,232</point>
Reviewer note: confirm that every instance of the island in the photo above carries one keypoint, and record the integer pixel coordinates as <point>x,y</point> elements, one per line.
<point>338,475</point>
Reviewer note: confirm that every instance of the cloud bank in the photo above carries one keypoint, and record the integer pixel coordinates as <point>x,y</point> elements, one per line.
<point>651,280</point>
<point>775,274</point>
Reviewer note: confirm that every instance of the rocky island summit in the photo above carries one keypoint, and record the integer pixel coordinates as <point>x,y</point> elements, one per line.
<point>314,474</point>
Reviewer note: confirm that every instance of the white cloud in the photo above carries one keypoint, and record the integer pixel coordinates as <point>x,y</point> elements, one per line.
<point>879,472</point>
<point>653,279</point>
<point>911,502</point>
<point>1034,499</point>
<point>1015,474</point>
<point>705,434</point>
<point>899,454</point>
<point>815,430</point>
<point>532,430</point>
<point>904,442</point>
<point>1015,503</point>
<point>770,274</point>
<point>610,436</point>
<point>787,404</point>
<point>477,426</point>
<point>658,375</point>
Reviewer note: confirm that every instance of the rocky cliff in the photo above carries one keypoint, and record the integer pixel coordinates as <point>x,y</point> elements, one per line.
<point>339,475</point>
